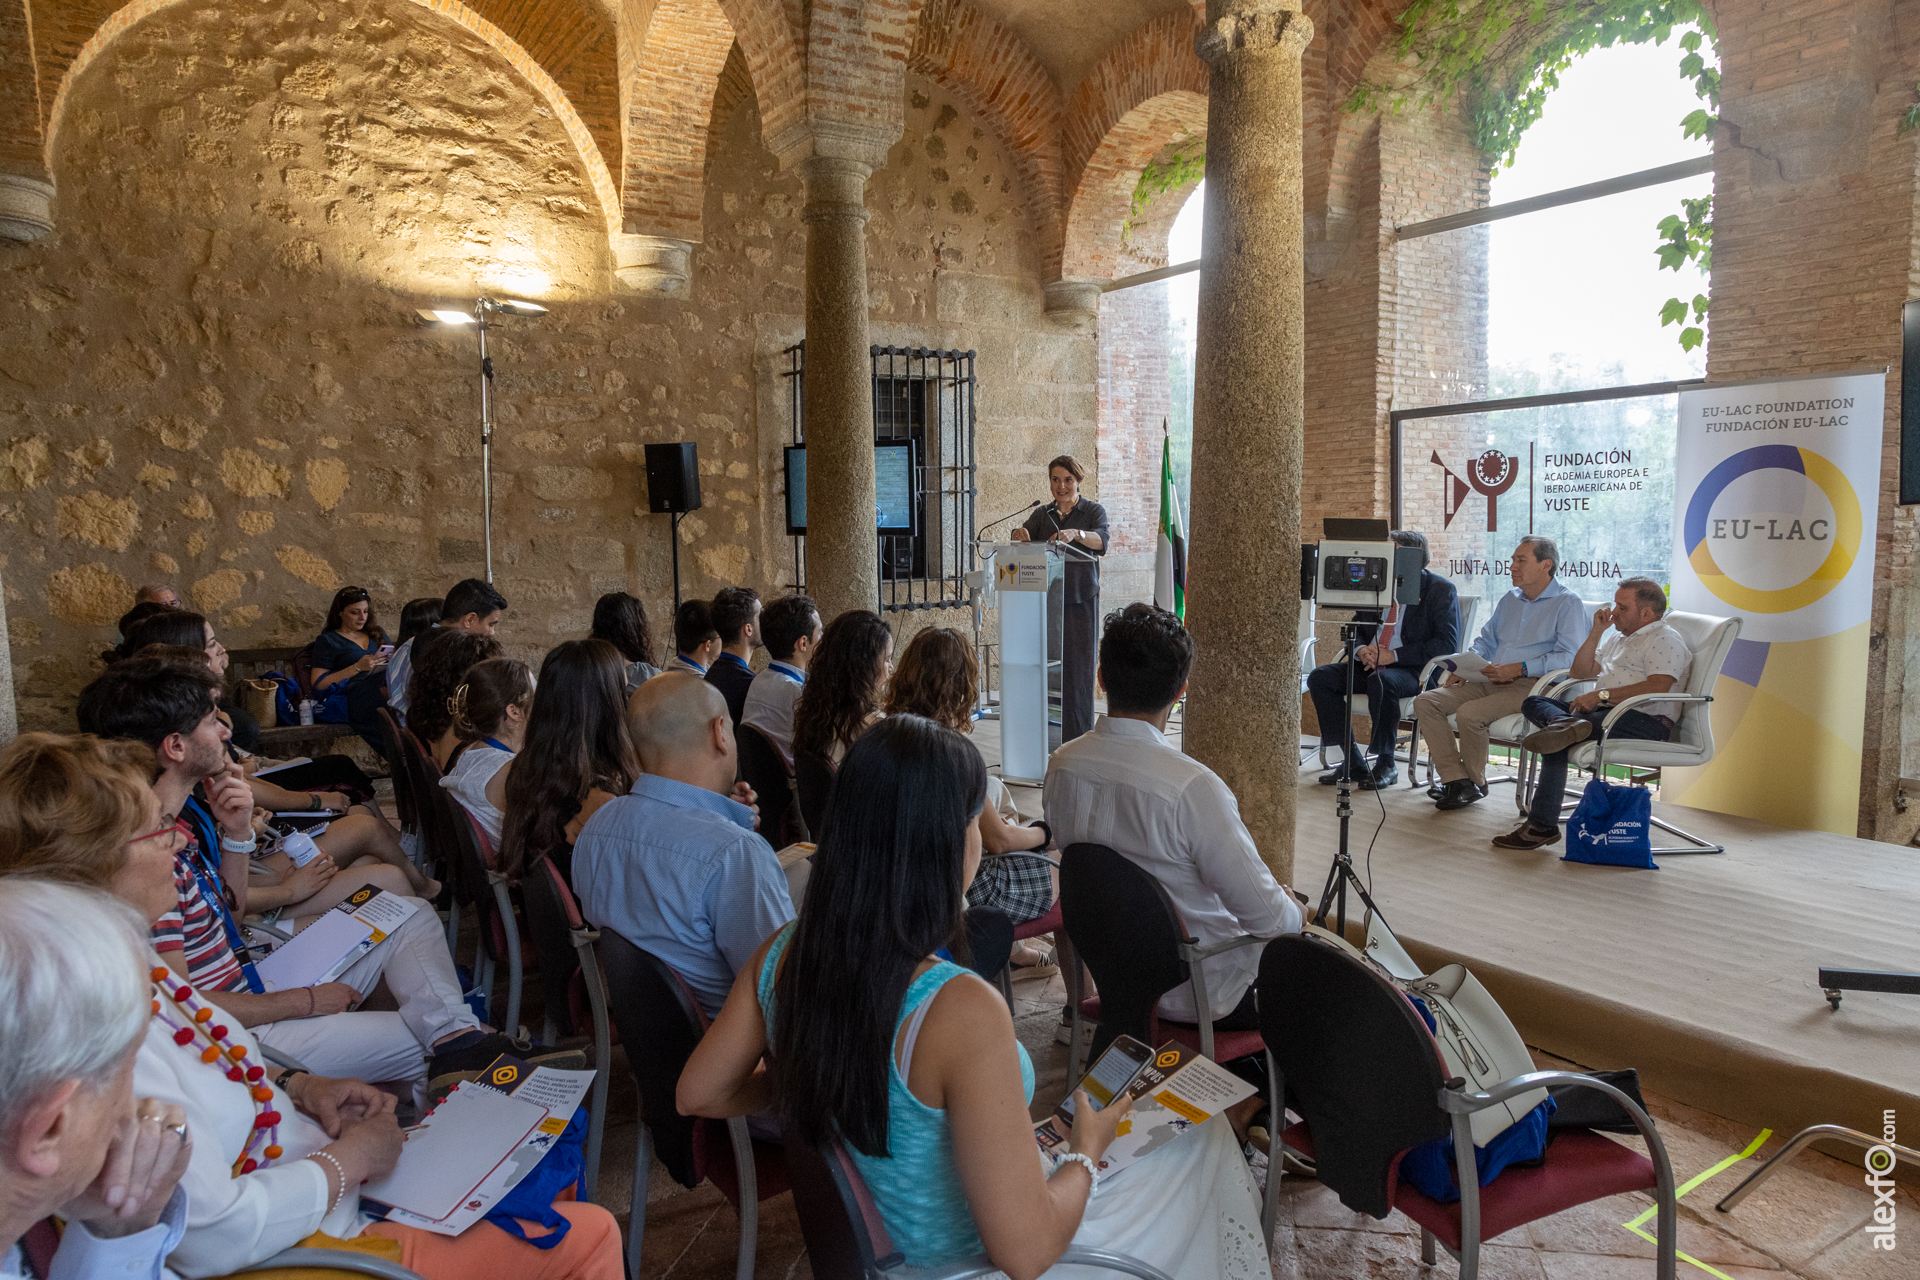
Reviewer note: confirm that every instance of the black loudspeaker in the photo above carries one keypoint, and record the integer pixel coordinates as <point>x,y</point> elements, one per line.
<point>1309,566</point>
<point>673,478</point>
<point>1910,404</point>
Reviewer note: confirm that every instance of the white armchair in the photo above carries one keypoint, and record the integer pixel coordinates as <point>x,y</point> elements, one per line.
<point>1709,639</point>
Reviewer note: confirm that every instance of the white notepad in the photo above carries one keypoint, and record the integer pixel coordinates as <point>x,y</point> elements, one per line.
<point>455,1149</point>
<point>326,948</point>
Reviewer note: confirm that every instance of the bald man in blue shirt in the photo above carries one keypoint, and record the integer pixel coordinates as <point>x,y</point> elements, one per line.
<point>1537,627</point>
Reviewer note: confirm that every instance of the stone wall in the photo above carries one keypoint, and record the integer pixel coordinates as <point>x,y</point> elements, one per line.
<point>210,374</point>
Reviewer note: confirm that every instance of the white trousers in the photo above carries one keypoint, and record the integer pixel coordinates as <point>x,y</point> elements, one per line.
<point>385,1046</point>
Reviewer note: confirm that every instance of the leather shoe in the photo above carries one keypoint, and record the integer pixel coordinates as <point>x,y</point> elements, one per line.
<point>1340,773</point>
<point>1383,776</point>
<point>1527,836</point>
<point>1436,789</point>
<point>1459,794</point>
<point>1558,735</point>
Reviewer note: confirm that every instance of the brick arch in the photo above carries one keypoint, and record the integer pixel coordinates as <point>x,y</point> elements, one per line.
<point>990,69</point>
<point>598,176</point>
<point>856,81</point>
<point>670,98</point>
<point>768,32</point>
<point>1149,89</point>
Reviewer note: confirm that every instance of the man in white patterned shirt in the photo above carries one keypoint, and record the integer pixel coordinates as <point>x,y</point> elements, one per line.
<point>1645,656</point>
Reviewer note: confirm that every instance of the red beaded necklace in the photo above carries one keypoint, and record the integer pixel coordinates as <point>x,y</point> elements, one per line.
<point>199,1022</point>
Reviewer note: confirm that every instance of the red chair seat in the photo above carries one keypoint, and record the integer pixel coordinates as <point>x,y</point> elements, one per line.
<point>1227,1045</point>
<point>716,1163</point>
<point>1579,1167</point>
<point>1045,924</point>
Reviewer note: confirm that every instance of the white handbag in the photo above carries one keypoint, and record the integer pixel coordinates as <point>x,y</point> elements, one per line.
<point>1477,1039</point>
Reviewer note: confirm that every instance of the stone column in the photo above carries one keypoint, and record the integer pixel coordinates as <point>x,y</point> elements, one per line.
<point>26,207</point>
<point>1243,712</point>
<point>655,265</point>
<point>843,553</point>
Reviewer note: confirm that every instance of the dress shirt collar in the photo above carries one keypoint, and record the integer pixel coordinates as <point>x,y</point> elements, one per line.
<point>1554,587</point>
<point>684,795</point>
<point>793,673</point>
<point>688,664</point>
<point>1127,727</point>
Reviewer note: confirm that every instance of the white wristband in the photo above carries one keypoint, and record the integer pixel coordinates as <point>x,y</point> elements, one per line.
<point>240,846</point>
<point>1080,1157</point>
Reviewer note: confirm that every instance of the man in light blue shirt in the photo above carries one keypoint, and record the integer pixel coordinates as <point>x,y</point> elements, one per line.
<point>675,866</point>
<point>1537,627</point>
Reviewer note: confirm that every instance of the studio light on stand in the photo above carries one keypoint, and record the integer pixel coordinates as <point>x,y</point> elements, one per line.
<point>483,307</point>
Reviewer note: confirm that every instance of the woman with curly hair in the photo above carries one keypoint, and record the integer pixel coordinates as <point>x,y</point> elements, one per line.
<point>490,711</point>
<point>844,684</point>
<point>437,673</point>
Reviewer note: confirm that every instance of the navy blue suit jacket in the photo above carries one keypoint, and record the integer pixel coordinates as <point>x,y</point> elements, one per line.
<point>1430,628</point>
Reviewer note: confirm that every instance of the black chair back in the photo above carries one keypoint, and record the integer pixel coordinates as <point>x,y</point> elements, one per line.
<point>659,1024</point>
<point>763,768</point>
<point>839,1221</point>
<point>404,797</point>
<point>814,776</point>
<point>551,924</point>
<point>1358,1063</point>
<point>1126,930</point>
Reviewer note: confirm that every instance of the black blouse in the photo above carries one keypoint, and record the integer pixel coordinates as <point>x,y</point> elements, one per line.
<point>1082,577</point>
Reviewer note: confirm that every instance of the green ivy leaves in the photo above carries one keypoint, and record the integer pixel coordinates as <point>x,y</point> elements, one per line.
<point>1185,162</point>
<point>1687,236</point>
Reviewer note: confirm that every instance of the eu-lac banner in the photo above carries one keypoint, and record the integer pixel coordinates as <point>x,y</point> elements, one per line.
<point>1775,504</point>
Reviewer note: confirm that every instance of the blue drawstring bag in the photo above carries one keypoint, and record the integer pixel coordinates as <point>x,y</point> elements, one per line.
<point>330,707</point>
<point>532,1196</point>
<point>1611,827</point>
<point>1430,1167</point>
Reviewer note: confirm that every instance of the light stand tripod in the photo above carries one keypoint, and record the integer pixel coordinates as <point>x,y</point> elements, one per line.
<point>1341,873</point>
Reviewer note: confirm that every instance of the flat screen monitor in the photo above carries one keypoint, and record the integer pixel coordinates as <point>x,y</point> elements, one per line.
<point>894,490</point>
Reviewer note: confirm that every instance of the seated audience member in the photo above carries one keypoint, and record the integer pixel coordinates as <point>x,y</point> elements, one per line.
<point>578,755</point>
<point>472,607</point>
<point>361,838</point>
<point>1384,671</point>
<point>168,709</point>
<point>936,1119</point>
<point>437,672</point>
<point>351,653</point>
<point>695,642</point>
<point>157,594</point>
<point>736,616</point>
<point>939,678</point>
<point>417,617</point>
<point>790,628</point>
<point>621,620</point>
<point>845,684</point>
<point>145,609</point>
<point>75,1143</point>
<point>252,1190</point>
<point>1535,628</point>
<point>1125,786</point>
<point>490,710</point>
<point>675,866</point>
<point>329,782</point>
<point>1647,656</point>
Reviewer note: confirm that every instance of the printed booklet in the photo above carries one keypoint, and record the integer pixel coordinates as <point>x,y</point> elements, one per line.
<point>1173,1087</point>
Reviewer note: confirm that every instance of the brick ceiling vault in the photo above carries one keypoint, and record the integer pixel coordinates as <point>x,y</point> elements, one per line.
<point>670,104</point>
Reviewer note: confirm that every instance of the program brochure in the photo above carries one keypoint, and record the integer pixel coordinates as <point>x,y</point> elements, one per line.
<point>330,945</point>
<point>1173,1087</point>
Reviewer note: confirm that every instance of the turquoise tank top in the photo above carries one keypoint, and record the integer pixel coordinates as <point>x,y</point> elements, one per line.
<point>915,1186</point>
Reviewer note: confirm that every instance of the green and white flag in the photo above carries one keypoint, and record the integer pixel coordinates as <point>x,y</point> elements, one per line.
<point>1170,556</point>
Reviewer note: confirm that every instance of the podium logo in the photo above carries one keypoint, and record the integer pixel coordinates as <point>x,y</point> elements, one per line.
<point>1490,475</point>
<point>1787,530</point>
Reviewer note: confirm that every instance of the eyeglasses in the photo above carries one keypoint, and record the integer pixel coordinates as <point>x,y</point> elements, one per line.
<point>171,831</point>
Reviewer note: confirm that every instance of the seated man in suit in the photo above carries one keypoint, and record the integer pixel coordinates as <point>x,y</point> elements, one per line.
<point>1535,628</point>
<point>1386,670</point>
<point>1647,656</point>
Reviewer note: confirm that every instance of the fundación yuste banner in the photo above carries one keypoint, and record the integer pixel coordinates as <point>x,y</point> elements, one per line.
<point>1776,500</point>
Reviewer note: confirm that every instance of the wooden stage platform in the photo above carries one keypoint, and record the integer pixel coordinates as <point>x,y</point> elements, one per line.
<point>1701,974</point>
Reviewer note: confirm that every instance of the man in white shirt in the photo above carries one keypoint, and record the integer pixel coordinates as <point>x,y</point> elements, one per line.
<point>472,606</point>
<point>1124,786</point>
<point>1646,656</point>
<point>790,628</point>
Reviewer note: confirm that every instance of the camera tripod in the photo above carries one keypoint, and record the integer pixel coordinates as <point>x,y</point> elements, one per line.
<point>1341,873</point>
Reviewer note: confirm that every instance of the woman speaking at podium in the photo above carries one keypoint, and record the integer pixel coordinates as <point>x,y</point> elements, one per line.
<point>1080,526</point>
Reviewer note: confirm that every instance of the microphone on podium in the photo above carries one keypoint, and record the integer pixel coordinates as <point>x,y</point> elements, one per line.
<point>1003,519</point>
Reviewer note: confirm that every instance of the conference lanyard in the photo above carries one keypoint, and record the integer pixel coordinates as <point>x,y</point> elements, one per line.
<point>794,674</point>
<point>498,745</point>
<point>690,664</point>
<point>205,827</point>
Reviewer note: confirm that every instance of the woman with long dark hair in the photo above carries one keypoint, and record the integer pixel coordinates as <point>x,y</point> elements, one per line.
<point>490,710</point>
<point>417,617</point>
<point>912,1064</point>
<point>351,652</point>
<point>621,620</point>
<point>844,684</point>
<point>437,673</point>
<point>577,755</point>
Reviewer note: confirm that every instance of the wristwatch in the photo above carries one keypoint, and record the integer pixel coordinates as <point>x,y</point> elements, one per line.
<point>1606,697</point>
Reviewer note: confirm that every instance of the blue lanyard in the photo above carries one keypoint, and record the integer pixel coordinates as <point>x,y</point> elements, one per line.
<point>498,745</point>
<point>690,664</point>
<point>794,674</point>
<point>204,827</point>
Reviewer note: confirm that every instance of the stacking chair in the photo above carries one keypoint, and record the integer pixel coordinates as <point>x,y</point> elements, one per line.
<point>813,784</point>
<point>323,1264</point>
<point>1048,923</point>
<point>1408,729</point>
<point>1709,640</point>
<point>1359,1065</point>
<point>436,841</point>
<point>660,1023</point>
<point>847,1240</point>
<point>765,769</point>
<point>476,883</point>
<point>575,988</point>
<point>404,797</point>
